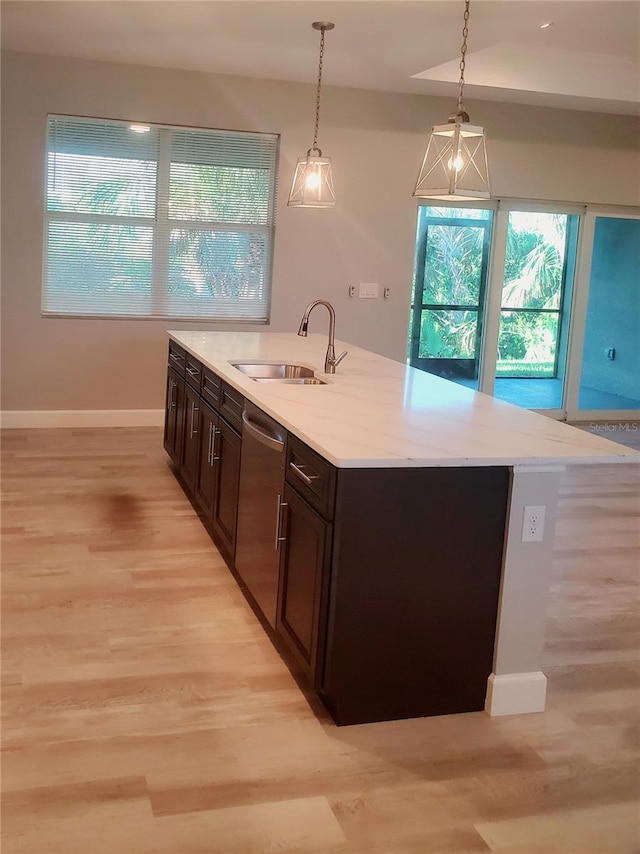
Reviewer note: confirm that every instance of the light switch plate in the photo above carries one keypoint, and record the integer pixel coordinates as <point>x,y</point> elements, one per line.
<point>368,290</point>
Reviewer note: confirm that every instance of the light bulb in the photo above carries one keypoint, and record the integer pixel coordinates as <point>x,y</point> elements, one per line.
<point>312,180</point>
<point>456,163</point>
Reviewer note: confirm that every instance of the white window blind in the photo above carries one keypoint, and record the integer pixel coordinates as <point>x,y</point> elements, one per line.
<point>158,221</point>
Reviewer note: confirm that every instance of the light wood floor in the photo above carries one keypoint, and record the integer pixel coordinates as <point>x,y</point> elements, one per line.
<point>146,711</point>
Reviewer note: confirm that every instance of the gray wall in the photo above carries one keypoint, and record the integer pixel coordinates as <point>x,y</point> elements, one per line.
<point>613,313</point>
<point>376,141</point>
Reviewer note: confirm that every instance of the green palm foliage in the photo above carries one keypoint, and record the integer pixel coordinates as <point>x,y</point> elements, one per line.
<point>531,297</point>
<point>453,265</point>
<point>214,217</point>
<point>534,261</point>
<point>226,261</point>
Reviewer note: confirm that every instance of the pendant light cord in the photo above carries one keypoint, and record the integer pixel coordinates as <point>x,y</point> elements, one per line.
<point>463,55</point>
<point>314,147</point>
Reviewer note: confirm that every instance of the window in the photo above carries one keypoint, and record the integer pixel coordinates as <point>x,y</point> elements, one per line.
<point>158,221</point>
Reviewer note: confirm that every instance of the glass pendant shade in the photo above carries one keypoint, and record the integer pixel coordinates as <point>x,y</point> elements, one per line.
<point>455,163</point>
<point>312,185</point>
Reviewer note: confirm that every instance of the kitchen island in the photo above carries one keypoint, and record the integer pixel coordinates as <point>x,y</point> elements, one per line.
<point>427,596</point>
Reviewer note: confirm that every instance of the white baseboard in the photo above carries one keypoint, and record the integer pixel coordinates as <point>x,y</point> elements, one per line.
<point>516,693</point>
<point>82,418</point>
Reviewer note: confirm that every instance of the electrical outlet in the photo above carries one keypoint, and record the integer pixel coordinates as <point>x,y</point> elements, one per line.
<point>533,524</point>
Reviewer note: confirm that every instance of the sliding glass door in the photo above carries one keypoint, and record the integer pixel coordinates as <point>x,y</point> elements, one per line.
<point>606,381</point>
<point>535,306</point>
<point>452,259</point>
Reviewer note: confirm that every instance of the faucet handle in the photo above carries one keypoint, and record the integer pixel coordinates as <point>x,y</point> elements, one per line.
<point>337,361</point>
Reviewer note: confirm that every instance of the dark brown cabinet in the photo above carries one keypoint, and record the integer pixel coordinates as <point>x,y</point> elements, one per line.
<point>203,446</point>
<point>193,372</point>
<point>191,444</point>
<point>207,468</point>
<point>303,584</point>
<point>174,416</point>
<point>174,403</point>
<point>388,578</point>
<point>305,556</point>
<point>413,601</point>
<point>177,358</point>
<point>389,584</point>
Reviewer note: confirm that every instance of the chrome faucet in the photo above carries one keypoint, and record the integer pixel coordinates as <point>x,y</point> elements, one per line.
<point>330,361</point>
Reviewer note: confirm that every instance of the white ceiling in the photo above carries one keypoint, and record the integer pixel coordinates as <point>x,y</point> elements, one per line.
<point>588,59</point>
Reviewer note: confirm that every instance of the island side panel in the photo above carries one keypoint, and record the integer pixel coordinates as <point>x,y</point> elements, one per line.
<point>414,591</point>
<point>517,684</point>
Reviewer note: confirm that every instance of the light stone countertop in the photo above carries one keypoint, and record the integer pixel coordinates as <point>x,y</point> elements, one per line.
<point>378,413</point>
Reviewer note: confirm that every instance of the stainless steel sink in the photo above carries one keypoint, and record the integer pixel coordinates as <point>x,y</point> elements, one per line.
<point>269,372</point>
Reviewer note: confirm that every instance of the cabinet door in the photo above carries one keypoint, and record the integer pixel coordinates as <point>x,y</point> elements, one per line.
<point>169,413</point>
<point>415,580</point>
<point>191,444</point>
<point>207,469</point>
<point>174,416</point>
<point>304,562</point>
<point>225,512</point>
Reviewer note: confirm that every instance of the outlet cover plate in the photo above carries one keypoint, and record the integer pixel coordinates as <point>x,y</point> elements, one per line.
<point>368,290</point>
<point>533,523</point>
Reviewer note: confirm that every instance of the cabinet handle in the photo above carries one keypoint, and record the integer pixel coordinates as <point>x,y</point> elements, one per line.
<point>193,372</point>
<point>175,358</point>
<point>216,433</point>
<point>172,387</point>
<point>194,409</point>
<point>273,442</point>
<point>279,539</point>
<point>305,478</point>
<point>210,454</point>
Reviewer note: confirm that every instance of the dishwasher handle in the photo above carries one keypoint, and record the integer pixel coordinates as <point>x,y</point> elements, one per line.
<point>258,433</point>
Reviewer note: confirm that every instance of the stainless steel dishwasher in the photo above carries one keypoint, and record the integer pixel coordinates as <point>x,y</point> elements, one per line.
<point>259,507</point>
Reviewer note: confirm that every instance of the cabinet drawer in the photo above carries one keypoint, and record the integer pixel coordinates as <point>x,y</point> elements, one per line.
<point>231,405</point>
<point>177,358</point>
<point>311,475</point>
<point>193,372</point>
<point>210,388</point>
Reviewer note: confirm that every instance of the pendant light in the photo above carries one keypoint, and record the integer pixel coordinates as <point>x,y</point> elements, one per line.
<point>455,162</point>
<point>312,185</point>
